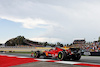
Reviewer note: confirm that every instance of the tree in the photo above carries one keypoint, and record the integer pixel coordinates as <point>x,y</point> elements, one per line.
<point>99,39</point>
<point>67,44</point>
<point>53,45</point>
<point>71,44</point>
<point>59,44</point>
<point>45,44</point>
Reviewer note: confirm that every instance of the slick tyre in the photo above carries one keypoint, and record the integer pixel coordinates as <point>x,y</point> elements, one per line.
<point>61,55</point>
<point>78,57</point>
<point>37,54</point>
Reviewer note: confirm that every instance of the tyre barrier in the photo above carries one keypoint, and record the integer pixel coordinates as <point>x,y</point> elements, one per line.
<point>90,53</point>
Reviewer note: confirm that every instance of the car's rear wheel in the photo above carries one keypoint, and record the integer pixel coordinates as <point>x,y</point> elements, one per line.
<point>37,54</point>
<point>76,58</point>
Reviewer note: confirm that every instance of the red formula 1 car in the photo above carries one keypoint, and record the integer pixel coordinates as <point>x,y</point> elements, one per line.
<point>60,54</point>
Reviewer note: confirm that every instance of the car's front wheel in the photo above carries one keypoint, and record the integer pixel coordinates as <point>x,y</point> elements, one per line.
<point>37,54</point>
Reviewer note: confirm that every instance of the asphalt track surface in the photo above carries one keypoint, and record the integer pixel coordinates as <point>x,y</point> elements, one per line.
<point>46,64</point>
<point>85,59</point>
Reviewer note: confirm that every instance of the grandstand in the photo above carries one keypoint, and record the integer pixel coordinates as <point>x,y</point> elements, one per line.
<point>79,41</point>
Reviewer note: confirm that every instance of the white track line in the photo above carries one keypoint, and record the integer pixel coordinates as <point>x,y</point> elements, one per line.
<point>43,59</point>
<point>67,62</point>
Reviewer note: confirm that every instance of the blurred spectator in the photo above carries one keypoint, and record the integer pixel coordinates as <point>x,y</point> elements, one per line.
<point>91,47</point>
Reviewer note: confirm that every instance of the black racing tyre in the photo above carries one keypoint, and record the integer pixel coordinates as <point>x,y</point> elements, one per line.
<point>76,58</point>
<point>73,58</point>
<point>37,54</point>
<point>61,55</point>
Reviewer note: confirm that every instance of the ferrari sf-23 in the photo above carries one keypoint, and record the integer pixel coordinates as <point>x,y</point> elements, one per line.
<point>60,54</point>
